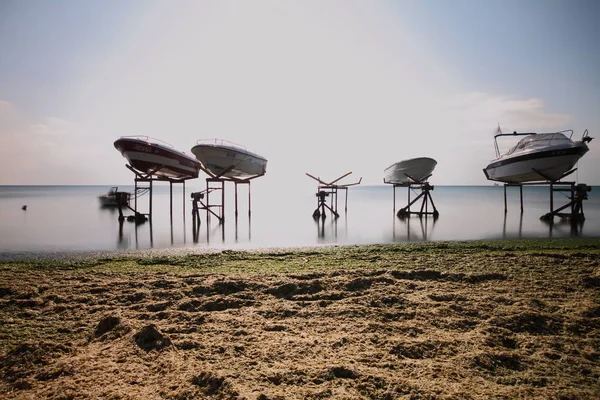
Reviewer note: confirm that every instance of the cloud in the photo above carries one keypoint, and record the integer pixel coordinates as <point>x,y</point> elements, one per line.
<point>511,112</point>
<point>462,127</point>
<point>10,120</point>
<point>48,151</point>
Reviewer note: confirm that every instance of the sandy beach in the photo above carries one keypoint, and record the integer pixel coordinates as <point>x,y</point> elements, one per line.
<point>437,320</point>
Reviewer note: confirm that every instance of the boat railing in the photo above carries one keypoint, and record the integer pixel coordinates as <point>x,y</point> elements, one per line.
<point>148,139</point>
<point>221,142</point>
<point>585,138</point>
<point>537,136</point>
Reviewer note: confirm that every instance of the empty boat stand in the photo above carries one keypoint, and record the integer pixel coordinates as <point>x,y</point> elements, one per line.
<point>326,189</point>
<point>424,196</point>
<point>214,183</point>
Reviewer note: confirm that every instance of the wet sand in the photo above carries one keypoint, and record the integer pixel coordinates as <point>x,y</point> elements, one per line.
<point>441,320</point>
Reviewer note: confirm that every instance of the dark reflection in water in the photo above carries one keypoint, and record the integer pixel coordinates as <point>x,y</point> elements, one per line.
<point>329,228</point>
<point>418,228</point>
<point>519,231</point>
<point>237,236</point>
<point>564,227</point>
<point>123,240</point>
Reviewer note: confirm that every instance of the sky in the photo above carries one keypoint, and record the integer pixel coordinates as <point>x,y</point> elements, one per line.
<point>324,87</point>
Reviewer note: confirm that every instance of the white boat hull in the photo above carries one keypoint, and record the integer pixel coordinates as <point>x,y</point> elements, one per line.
<point>230,161</point>
<point>157,159</point>
<point>409,171</point>
<point>547,165</point>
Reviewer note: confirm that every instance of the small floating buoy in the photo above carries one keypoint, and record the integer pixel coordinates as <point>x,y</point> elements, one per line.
<point>24,207</point>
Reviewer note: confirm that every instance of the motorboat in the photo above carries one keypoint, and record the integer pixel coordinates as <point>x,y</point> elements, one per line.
<point>156,158</point>
<point>413,170</point>
<point>112,197</point>
<point>537,157</point>
<point>226,159</point>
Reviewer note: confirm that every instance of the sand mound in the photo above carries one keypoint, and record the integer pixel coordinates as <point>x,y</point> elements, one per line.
<point>150,338</point>
<point>111,327</point>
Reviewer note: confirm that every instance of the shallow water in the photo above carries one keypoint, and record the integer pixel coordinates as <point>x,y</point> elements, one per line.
<point>69,218</point>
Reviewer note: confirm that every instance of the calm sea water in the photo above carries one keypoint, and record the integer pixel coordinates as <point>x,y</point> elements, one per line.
<point>70,219</point>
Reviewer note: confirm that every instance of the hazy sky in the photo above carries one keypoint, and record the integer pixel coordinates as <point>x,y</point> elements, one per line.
<point>324,87</point>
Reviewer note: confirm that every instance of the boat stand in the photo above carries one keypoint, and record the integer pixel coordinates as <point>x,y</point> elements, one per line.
<point>547,182</point>
<point>217,182</point>
<point>144,183</point>
<point>326,189</point>
<point>425,196</point>
<point>322,205</point>
<point>577,194</point>
<point>199,204</point>
<point>333,192</point>
<point>196,222</point>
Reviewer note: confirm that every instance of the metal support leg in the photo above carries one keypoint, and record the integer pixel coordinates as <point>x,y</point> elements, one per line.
<point>521,193</point>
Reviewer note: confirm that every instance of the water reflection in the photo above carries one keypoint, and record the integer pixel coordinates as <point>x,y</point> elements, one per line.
<point>519,233</point>
<point>422,228</point>
<point>564,227</point>
<point>218,228</point>
<point>123,240</point>
<point>122,243</point>
<point>328,228</point>
<point>249,228</point>
<point>469,213</point>
<point>331,225</point>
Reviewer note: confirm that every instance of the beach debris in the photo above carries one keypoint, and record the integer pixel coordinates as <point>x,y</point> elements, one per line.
<point>150,338</point>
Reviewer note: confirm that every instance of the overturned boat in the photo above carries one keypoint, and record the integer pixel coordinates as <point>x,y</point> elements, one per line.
<point>226,159</point>
<point>413,170</point>
<point>154,157</point>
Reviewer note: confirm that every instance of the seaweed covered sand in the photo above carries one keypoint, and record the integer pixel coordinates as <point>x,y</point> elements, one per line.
<point>446,320</point>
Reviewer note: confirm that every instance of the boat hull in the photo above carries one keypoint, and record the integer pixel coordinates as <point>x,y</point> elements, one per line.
<point>156,159</point>
<point>537,166</point>
<point>409,171</point>
<point>237,162</point>
<point>111,199</point>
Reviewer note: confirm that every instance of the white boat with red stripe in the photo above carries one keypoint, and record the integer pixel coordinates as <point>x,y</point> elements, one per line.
<point>154,157</point>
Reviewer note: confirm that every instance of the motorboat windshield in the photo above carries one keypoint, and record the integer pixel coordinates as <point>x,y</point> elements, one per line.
<point>539,140</point>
